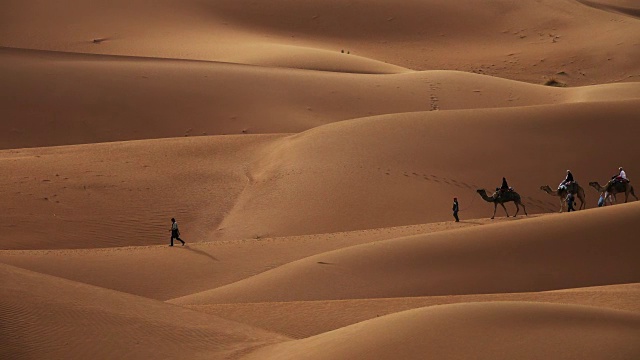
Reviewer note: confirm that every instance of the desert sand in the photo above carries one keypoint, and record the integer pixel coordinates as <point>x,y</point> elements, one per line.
<point>310,151</point>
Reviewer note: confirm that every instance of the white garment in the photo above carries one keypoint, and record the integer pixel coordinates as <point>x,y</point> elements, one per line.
<point>174,226</point>
<point>623,174</point>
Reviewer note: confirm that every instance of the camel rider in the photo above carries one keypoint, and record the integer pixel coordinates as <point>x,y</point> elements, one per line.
<point>567,181</point>
<point>504,187</point>
<point>620,177</point>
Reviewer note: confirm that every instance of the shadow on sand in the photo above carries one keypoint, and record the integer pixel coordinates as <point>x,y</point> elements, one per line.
<point>199,252</point>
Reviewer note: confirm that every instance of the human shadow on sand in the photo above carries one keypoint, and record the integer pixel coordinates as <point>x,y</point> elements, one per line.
<point>200,252</point>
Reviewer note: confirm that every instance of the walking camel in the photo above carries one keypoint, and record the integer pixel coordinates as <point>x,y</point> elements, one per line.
<point>615,188</point>
<point>573,188</point>
<point>501,198</point>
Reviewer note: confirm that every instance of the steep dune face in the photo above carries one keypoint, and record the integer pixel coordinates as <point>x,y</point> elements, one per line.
<point>626,7</point>
<point>368,173</point>
<point>406,168</point>
<point>565,251</point>
<point>47,317</point>
<point>486,330</point>
<point>121,194</point>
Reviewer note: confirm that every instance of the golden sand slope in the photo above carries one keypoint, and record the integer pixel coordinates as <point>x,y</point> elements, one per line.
<point>483,330</point>
<point>48,317</point>
<point>52,98</point>
<point>546,253</point>
<point>318,217</point>
<point>367,173</point>
<point>524,40</point>
<point>326,315</point>
<point>195,267</point>
<point>55,98</point>
<point>122,194</point>
<point>406,168</point>
<point>626,7</point>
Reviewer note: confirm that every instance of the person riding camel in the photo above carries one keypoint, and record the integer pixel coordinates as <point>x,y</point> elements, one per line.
<point>567,181</point>
<point>621,176</point>
<point>502,189</point>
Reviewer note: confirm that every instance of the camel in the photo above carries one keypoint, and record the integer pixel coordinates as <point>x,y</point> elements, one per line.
<point>615,188</point>
<point>573,188</point>
<point>501,198</point>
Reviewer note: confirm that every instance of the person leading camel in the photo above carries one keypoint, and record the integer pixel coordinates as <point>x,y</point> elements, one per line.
<point>567,180</point>
<point>570,201</point>
<point>456,208</point>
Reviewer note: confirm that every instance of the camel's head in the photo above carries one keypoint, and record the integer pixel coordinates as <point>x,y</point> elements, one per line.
<point>480,191</point>
<point>545,187</point>
<point>593,183</point>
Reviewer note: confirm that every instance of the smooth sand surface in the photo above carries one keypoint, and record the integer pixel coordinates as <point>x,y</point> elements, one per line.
<point>48,317</point>
<point>456,331</point>
<point>326,315</point>
<point>310,151</point>
<point>55,98</point>
<point>529,255</point>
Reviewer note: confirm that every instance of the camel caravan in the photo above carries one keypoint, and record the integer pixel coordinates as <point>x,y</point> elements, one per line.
<point>567,192</point>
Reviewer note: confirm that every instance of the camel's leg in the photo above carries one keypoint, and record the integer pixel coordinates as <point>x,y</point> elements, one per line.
<point>517,209</point>
<point>634,194</point>
<point>524,208</point>
<point>495,207</point>
<point>561,204</point>
<point>505,209</point>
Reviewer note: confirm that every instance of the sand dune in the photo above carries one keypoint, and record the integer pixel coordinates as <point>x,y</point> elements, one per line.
<point>406,168</point>
<point>121,194</point>
<point>110,98</point>
<point>528,40</point>
<point>310,151</point>
<point>627,7</point>
<point>326,315</point>
<point>376,172</point>
<point>195,267</point>
<point>529,255</point>
<point>489,330</point>
<point>47,317</point>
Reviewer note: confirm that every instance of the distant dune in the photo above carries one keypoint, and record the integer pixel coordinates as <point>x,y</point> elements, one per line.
<point>310,152</point>
<point>525,40</point>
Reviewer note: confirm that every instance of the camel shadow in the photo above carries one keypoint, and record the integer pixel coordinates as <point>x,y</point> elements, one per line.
<point>200,252</point>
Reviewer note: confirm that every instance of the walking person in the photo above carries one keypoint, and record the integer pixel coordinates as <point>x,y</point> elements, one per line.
<point>570,201</point>
<point>175,233</point>
<point>455,209</point>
